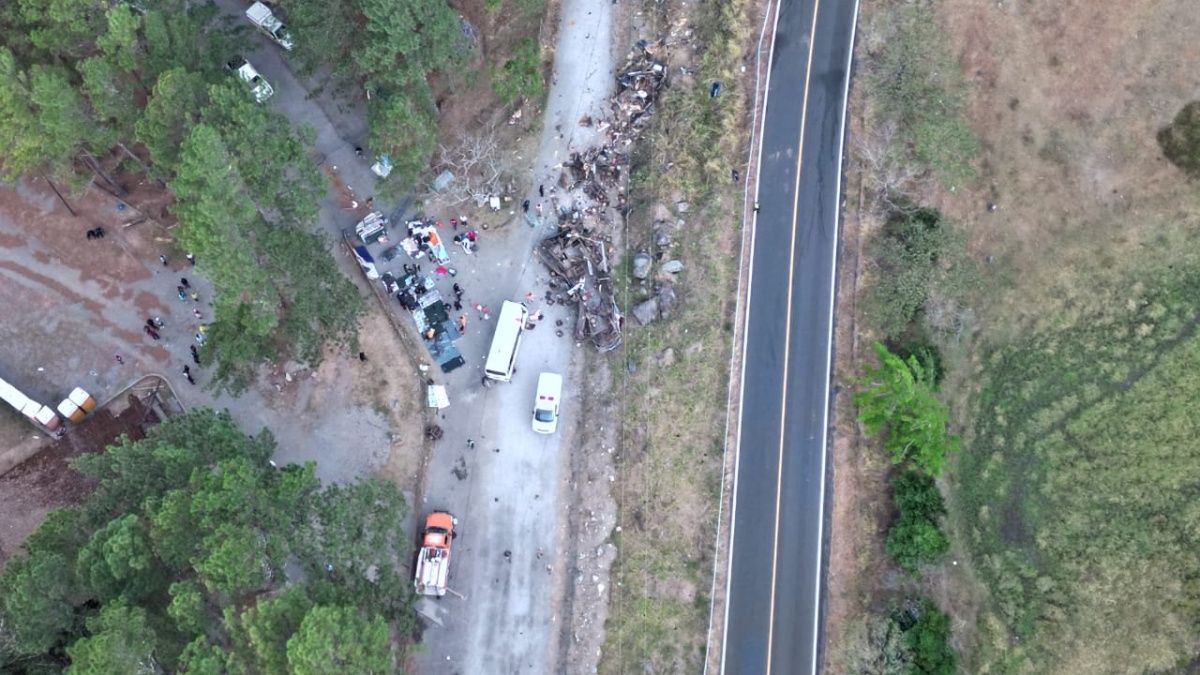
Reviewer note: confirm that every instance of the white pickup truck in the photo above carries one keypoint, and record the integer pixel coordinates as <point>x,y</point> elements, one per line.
<point>265,20</point>
<point>258,86</point>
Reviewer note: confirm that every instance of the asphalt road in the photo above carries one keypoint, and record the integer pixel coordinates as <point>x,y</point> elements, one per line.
<point>774,617</point>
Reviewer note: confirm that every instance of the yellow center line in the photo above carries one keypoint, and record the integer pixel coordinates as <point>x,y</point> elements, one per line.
<point>787,336</point>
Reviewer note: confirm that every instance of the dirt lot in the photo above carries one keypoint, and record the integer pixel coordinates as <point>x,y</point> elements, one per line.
<point>1066,99</point>
<point>76,304</point>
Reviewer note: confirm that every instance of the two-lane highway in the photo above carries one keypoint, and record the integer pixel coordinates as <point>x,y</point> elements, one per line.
<point>773,620</point>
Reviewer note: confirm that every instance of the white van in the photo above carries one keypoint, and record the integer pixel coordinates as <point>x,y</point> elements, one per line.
<point>545,404</point>
<point>502,357</point>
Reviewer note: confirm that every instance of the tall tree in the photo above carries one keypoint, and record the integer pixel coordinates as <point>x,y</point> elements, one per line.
<point>340,640</point>
<point>43,121</point>
<point>173,109</point>
<point>120,641</point>
<point>401,126</point>
<point>900,400</point>
<point>119,561</point>
<point>37,593</point>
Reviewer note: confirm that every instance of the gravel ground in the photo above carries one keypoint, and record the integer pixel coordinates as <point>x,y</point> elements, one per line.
<point>512,491</point>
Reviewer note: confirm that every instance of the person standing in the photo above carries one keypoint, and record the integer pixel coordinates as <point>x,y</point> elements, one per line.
<point>191,259</point>
<point>163,258</point>
<point>184,282</point>
<point>195,354</point>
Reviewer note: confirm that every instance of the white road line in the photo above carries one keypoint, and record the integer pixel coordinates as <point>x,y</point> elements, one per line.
<point>749,291</point>
<point>829,352</point>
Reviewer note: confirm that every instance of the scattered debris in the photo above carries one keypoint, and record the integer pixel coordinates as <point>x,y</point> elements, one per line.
<point>591,192</point>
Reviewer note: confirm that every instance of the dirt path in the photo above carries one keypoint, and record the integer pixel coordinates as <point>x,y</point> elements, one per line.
<point>512,490</point>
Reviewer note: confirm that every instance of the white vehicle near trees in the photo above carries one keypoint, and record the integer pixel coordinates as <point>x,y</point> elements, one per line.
<point>268,24</point>
<point>258,85</point>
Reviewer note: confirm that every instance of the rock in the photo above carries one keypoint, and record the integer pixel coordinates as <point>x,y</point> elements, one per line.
<point>682,207</point>
<point>665,301</point>
<point>673,266</point>
<point>666,358</point>
<point>641,265</point>
<point>647,311</point>
<point>662,235</point>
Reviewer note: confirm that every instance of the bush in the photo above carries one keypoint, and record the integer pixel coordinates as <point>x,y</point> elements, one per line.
<point>1180,142</point>
<point>915,539</point>
<point>521,76</point>
<point>929,639</point>
<point>905,254</point>
<point>919,85</point>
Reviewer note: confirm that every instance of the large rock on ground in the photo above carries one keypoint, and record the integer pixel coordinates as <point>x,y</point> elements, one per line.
<point>641,265</point>
<point>646,312</point>
<point>673,266</point>
<point>665,300</point>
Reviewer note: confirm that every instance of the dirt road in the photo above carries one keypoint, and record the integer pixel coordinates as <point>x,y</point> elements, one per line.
<point>511,491</point>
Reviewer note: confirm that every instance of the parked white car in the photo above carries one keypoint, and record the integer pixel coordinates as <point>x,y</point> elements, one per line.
<point>258,86</point>
<point>545,405</point>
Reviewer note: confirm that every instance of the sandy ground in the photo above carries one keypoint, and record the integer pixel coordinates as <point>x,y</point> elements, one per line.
<point>511,491</point>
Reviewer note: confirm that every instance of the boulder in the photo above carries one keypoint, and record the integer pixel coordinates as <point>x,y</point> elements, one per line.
<point>662,235</point>
<point>672,266</point>
<point>665,300</point>
<point>641,265</point>
<point>647,311</point>
<point>682,207</point>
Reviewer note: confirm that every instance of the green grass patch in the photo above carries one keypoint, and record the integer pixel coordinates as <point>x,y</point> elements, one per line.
<point>1076,491</point>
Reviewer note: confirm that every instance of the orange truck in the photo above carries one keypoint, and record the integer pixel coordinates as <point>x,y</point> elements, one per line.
<point>433,560</point>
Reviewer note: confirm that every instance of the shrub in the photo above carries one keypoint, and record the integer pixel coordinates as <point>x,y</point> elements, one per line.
<point>521,76</point>
<point>915,539</point>
<point>919,85</point>
<point>905,254</point>
<point>1180,141</point>
<point>929,639</point>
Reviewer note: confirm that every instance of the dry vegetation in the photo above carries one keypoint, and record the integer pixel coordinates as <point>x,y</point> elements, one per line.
<point>671,448</point>
<point>1071,366</point>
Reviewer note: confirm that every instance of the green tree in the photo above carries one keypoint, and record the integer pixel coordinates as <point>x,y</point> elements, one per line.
<point>1180,140</point>
<point>120,641</point>
<point>234,560</point>
<point>187,607</point>
<point>405,39</point>
<point>37,593</point>
<point>201,657</point>
<point>119,561</point>
<point>173,109</point>
<point>43,123</point>
<point>899,399</point>
<point>929,640</point>
<point>403,127</point>
<point>914,542</point>
<point>917,494</point>
<point>271,158</point>
<point>521,76</point>
<point>266,627</point>
<point>340,639</point>
<point>61,29</point>
<point>132,471</point>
